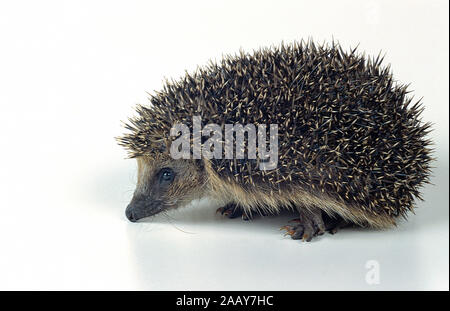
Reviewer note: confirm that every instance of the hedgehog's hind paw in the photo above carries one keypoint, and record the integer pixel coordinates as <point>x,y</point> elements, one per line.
<point>232,211</point>
<point>309,225</point>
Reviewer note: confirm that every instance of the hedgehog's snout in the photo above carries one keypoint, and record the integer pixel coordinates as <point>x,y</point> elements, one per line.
<point>141,207</point>
<point>130,214</point>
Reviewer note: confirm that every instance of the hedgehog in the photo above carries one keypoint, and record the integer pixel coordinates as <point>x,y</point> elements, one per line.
<point>352,149</point>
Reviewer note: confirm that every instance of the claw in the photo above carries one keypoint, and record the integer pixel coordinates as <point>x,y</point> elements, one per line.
<point>289,230</point>
<point>306,238</point>
<point>312,223</point>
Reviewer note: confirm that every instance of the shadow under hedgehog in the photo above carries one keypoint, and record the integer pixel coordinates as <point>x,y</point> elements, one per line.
<point>352,149</point>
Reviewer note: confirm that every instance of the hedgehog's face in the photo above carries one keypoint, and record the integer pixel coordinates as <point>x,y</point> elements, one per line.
<point>164,183</point>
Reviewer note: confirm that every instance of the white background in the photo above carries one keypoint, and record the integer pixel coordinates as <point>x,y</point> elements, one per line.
<point>70,71</point>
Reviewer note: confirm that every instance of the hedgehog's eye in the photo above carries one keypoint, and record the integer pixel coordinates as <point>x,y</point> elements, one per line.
<point>166,175</point>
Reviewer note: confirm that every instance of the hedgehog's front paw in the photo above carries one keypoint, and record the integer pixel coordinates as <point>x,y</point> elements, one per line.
<point>309,225</point>
<point>232,211</point>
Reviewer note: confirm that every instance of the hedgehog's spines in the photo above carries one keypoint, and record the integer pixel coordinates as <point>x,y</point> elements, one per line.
<point>346,128</point>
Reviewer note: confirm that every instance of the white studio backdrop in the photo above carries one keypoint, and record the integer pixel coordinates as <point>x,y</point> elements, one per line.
<point>71,71</point>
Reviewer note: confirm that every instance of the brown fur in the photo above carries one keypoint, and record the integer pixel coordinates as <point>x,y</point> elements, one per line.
<point>186,188</point>
<point>270,201</point>
<point>197,182</point>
